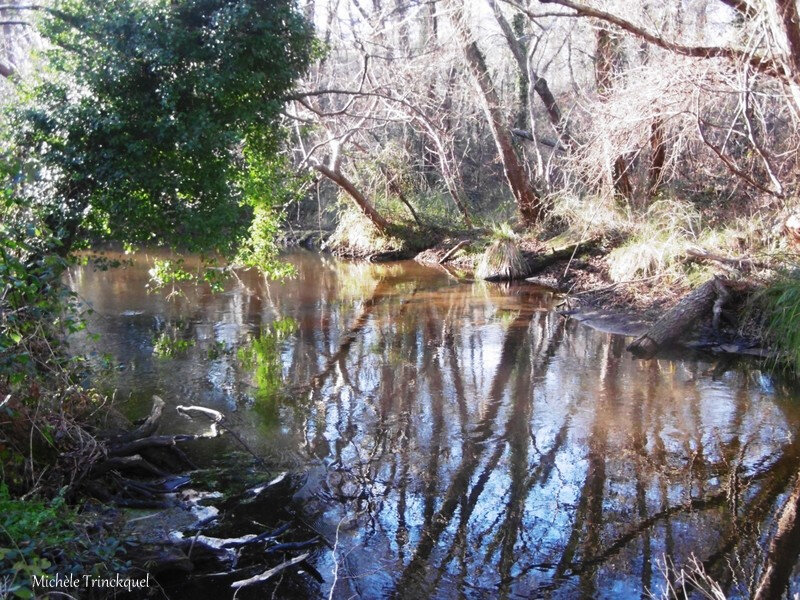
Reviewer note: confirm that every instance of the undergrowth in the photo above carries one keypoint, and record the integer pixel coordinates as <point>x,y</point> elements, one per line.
<point>659,243</point>
<point>46,448</point>
<point>41,537</point>
<point>779,303</point>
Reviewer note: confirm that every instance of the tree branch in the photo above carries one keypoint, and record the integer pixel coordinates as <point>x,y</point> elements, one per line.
<point>758,63</point>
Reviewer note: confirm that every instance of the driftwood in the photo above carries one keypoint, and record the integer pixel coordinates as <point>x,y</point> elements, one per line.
<point>212,414</point>
<point>128,463</point>
<point>131,477</point>
<point>262,537</point>
<point>292,546</point>
<point>740,263</point>
<point>270,573</point>
<point>783,550</point>
<point>168,441</point>
<point>708,297</point>
<point>450,253</point>
<point>154,441</point>
<point>147,428</point>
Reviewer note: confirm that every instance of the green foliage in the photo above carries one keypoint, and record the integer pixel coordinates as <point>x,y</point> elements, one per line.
<point>167,272</point>
<point>167,345</point>
<point>34,308</point>
<point>262,357</point>
<point>266,186</point>
<point>39,538</point>
<point>780,301</point>
<point>136,128</point>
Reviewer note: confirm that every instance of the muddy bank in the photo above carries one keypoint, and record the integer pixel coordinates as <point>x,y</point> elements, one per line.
<point>580,274</point>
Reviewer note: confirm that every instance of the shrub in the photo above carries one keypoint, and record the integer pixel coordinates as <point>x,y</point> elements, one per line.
<point>39,538</point>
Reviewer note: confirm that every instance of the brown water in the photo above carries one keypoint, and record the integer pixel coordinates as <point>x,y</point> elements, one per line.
<point>462,439</point>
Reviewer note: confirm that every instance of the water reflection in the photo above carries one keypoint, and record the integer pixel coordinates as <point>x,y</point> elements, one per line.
<point>463,440</point>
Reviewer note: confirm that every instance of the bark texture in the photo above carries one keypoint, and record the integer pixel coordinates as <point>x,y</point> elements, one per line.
<point>674,323</point>
<point>606,64</point>
<point>528,202</point>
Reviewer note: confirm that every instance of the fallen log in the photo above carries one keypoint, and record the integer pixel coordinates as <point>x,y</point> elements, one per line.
<point>541,261</point>
<point>128,463</point>
<point>740,263</point>
<point>450,253</point>
<point>154,441</point>
<point>292,546</point>
<point>708,297</point>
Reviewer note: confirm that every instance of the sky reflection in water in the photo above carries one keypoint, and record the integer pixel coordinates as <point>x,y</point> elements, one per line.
<point>465,440</point>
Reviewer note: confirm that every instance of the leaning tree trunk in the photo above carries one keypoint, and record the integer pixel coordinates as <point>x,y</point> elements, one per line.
<point>366,207</point>
<point>659,148</point>
<point>708,297</point>
<point>528,203</point>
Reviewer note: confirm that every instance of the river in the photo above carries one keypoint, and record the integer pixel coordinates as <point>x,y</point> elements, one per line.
<point>460,439</point>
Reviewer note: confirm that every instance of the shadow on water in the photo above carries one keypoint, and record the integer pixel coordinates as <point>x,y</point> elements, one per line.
<point>463,440</point>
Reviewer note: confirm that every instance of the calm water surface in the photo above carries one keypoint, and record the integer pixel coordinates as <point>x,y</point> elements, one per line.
<point>462,439</point>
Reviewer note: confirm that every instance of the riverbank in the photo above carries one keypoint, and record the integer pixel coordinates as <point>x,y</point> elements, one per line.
<point>584,272</point>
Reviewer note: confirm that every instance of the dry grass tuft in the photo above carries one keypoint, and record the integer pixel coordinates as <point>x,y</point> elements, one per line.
<point>502,259</point>
<point>666,230</point>
<point>355,235</point>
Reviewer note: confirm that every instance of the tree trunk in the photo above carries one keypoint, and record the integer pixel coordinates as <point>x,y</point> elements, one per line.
<point>605,65</point>
<point>783,550</point>
<point>671,326</point>
<point>540,86</point>
<point>659,149</point>
<point>394,188</point>
<point>528,203</point>
<point>366,207</point>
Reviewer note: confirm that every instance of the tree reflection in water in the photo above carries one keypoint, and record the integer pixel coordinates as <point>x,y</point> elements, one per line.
<point>466,440</point>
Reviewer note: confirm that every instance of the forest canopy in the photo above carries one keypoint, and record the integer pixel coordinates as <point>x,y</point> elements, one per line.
<point>156,121</point>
